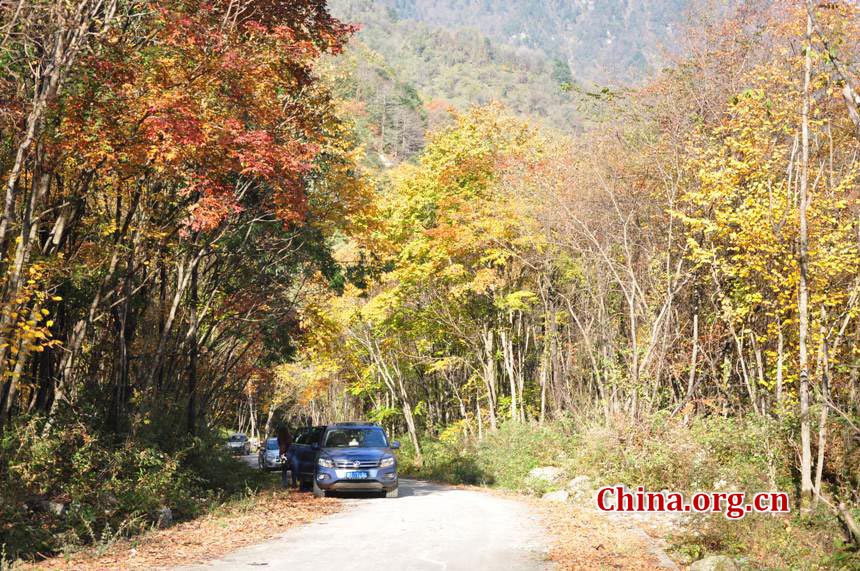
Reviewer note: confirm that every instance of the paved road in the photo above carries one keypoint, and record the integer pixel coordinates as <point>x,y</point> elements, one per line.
<point>252,460</point>
<point>429,527</point>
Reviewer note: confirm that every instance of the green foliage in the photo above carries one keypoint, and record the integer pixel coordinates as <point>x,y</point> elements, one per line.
<point>515,449</point>
<point>75,487</point>
<point>502,459</point>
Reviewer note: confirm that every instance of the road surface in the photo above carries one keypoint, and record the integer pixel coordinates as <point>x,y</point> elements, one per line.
<point>429,527</point>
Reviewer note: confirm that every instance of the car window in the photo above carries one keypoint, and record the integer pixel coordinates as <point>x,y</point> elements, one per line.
<point>355,437</point>
<point>299,436</point>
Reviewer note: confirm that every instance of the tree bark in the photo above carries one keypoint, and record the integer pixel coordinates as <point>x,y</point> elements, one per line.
<point>806,486</point>
<point>192,354</point>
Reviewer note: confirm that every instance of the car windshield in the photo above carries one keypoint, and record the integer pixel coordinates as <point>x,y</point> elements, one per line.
<point>272,444</point>
<point>237,438</point>
<point>355,437</point>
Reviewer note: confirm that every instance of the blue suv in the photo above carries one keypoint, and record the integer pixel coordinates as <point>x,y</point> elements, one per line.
<point>345,457</point>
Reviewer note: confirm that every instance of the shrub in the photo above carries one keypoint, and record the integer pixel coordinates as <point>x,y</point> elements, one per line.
<point>77,487</point>
<point>708,453</point>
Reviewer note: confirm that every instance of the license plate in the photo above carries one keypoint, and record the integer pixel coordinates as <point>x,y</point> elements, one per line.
<point>357,475</point>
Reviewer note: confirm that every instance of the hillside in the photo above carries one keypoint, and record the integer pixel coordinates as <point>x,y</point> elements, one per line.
<point>616,41</point>
<point>446,67</point>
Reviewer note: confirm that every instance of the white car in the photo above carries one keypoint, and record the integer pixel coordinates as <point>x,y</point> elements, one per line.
<point>238,443</point>
<point>269,457</point>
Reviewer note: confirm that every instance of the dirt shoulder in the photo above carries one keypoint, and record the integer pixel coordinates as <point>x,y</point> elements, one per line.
<point>226,529</point>
<point>583,540</point>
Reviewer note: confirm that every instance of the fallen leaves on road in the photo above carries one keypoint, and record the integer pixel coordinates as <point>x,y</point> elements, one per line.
<point>251,521</point>
<point>583,540</point>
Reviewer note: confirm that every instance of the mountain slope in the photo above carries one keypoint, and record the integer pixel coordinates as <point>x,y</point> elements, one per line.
<point>617,41</point>
<point>451,67</point>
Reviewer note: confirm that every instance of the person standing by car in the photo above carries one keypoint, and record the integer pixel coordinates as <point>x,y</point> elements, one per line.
<point>285,439</point>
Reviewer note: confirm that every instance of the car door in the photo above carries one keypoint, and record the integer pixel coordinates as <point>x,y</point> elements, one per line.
<point>294,450</point>
<point>307,454</point>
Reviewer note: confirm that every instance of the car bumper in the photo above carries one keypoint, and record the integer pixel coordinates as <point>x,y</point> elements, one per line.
<point>272,463</point>
<point>334,479</point>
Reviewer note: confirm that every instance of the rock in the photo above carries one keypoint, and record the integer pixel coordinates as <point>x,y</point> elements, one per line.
<point>110,500</point>
<point>714,563</point>
<point>581,488</point>
<point>546,474</point>
<point>557,496</point>
<point>165,518</point>
<point>56,508</point>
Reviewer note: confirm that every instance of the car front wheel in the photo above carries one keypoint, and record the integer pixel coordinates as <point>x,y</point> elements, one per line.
<point>318,492</point>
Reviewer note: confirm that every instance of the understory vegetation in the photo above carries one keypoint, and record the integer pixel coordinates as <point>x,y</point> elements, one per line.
<point>76,489</point>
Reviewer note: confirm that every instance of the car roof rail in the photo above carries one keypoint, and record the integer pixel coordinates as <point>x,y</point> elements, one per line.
<point>355,423</point>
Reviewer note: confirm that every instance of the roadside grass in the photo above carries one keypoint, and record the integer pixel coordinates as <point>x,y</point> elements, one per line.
<point>76,489</point>
<point>699,453</point>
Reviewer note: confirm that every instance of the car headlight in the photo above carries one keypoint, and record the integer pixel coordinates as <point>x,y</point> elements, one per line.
<point>386,462</point>
<point>325,463</point>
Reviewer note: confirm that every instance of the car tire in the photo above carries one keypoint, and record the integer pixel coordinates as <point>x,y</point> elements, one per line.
<point>393,493</point>
<point>318,492</point>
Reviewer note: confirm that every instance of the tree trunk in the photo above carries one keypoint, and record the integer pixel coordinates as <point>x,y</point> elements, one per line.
<point>780,360</point>
<point>192,357</point>
<point>825,397</point>
<point>806,487</point>
<point>490,377</point>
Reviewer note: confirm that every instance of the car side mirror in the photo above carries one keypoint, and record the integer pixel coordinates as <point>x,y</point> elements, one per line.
<point>395,445</point>
<point>315,445</point>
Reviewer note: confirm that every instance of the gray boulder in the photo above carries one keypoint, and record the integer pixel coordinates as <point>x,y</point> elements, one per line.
<point>714,563</point>
<point>165,518</point>
<point>547,475</point>
<point>581,488</point>
<point>557,496</point>
<point>56,508</point>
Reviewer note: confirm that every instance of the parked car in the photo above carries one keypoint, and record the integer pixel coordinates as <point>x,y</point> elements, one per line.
<point>238,444</point>
<point>269,457</point>
<point>347,456</point>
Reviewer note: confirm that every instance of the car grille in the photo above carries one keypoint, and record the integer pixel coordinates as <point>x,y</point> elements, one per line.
<point>352,464</point>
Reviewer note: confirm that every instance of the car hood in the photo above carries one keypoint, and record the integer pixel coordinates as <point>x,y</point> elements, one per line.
<point>357,453</point>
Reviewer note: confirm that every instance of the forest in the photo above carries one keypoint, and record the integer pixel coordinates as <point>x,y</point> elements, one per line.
<point>229,215</point>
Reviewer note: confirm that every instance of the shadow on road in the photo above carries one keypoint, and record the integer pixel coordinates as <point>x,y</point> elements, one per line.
<point>418,488</point>
<point>408,488</point>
